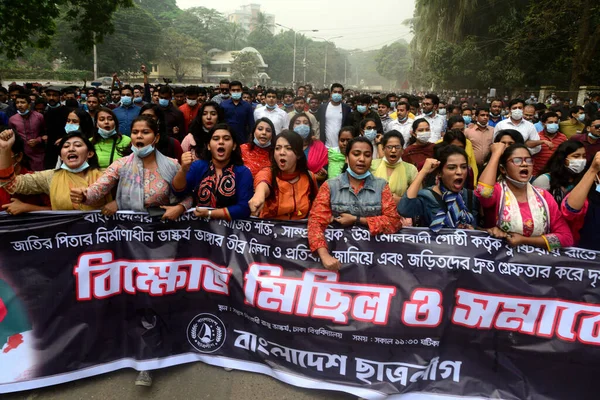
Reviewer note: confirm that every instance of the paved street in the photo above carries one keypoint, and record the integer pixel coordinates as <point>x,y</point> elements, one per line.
<point>190,381</point>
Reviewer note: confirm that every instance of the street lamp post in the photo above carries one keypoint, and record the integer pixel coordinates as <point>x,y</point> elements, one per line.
<point>294,61</point>
<point>327,41</point>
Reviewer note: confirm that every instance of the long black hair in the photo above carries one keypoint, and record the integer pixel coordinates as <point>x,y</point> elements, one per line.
<point>415,125</point>
<point>258,121</point>
<point>196,128</point>
<point>509,152</point>
<point>163,144</point>
<point>96,138</point>
<point>236,154</point>
<point>152,124</point>
<point>297,145</point>
<point>86,122</point>
<point>293,121</point>
<point>92,161</point>
<point>560,175</point>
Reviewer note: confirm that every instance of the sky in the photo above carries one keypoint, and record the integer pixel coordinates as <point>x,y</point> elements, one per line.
<point>367,25</point>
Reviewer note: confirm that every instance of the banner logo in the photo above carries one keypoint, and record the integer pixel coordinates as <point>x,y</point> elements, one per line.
<point>206,333</point>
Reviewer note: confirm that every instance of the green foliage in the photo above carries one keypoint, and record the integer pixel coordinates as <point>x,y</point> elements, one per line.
<point>37,75</point>
<point>245,67</point>
<point>393,61</point>
<point>179,52</point>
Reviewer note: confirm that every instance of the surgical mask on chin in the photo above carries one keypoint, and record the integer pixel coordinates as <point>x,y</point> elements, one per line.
<point>54,106</point>
<point>428,113</point>
<point>144,151</point>
<point>357,176</point>
<point>137,99</point>
<point>75,170</point>
<point>106,134</point>
<point>302,130</point>
<point>191,103</point>
<point>23,112</point>
<point>577,165</point>
<point>370,134</point>
<point>163,102</point>
<point>71,128</point>
<point>259,144</point>
<point>271,107</point>
<point>424,137</point>
<point>516,114</point>
<point>518,184</point>
<point>442,111</point>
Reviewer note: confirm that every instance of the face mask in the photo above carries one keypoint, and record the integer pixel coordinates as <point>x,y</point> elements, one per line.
<point>581,117</point>
<point>428,113</point>
<point>336,97</point>
<point>106,134</point>
<point>302,130</point>
<point>492,115</point>
<point>126,101</point>
<point>163,102</point>
<point>393,104</point>
<point>76,170</point>
<point>442,111</point>
<point>481,125</point>
<point>23,112</point>
<point>370,134</point>
<point>191,103</point>
<point>143,152</point>
<point>577,165</point>
<point>236,95</point>
<point>552,128</point>
<point>271,107</point>
<point>54,106</point>
<point>518,184</point>
<point>137,99</point>
<point>423,137</point>
<point>225,95</point>
<point>361,109</point>
<point>516,114</point>
<point>402,119</point>
<point>467,120</point>
<point>357,176</point>
<point>83,97</point>
<point>259,144</point>
<point>374,107</point>
<point>597,185</point>
<point>71,127</point>
<point>592,136</point>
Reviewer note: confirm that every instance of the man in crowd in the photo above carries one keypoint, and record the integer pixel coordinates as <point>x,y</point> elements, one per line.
<point>332,116</point>
<point>525,128</point>
<point>529,113</point>
<point>3,98</point>
<point>593,106</point>
<point>55,120</point>
<point>127,112</point>
<point>573,125</point>
<point>173,117</point>
<point>495,112</point>
<point>387,122</point>
<point>31,127</point>
<point>224,92</point>
<point>363,111</point>
<point>404,121</point>
<point>238,113</point>
<point>481,135</point>
<point>288,101</point>
<point>591,140</point>
<point>551,134</point>
<point>279,117</point>
<point>190,107</point>
<point>115,98</point>
<point>178,96</point>
<point>301,91</point>
<point>93,104</point>
<point>138,96</point>
<point>313,106</point>
<point>437,123</point>
<point>299,108</point>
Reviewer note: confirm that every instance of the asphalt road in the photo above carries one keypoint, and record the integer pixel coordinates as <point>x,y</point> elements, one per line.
<point>189,381</point>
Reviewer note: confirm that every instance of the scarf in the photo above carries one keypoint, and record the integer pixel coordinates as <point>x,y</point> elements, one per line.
<point>62,183</point>
<point>456,212</point>
<point>130,192</point>
<point>397,180</point>
<point>509,213</point>
<point>217,192</point>
<point>317,156</point>
<point>336,162</point>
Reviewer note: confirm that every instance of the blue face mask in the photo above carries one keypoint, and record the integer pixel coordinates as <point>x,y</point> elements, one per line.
<point>302,130</point>
<point>23,113</point>
<point>83,96</point>
<point>428,113</point>
<point>361,109</point>
<point>71,128</point>
<point>143,152</point>
<point>581,117</point>
<point>467,119</point>
<point>336,97</point>
<point>54,106</point>
<point>76,170</point>
<point>271,107</point>
<point>126,100</point>
<point>370,134</point>
<point>259,144</point>
<point>552,128</point>
<point>236,95</point>
<point>392,104</point>
<point>357,176</point>
<point>106,134</point>
<point>592,136</point>
<point>137,100</point>
<point>163,102</point>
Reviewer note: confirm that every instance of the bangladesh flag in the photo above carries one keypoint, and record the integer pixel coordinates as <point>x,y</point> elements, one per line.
<point>13,316</point>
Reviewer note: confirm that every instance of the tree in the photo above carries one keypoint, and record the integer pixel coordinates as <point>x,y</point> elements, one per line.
<point>245,67</point>
<point>393,61</point>
<point>32,23</point>
<point>179,51</point>
<point>236,35</point>
<point>261,23</point>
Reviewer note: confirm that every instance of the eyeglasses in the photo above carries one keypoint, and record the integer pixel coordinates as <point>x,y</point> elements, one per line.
<point>370,127</point>
<point>390,148</point>
<point>519,161</point>
<point>597,126</point>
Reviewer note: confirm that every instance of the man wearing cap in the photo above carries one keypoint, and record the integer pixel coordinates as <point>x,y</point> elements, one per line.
<point>56,119</point>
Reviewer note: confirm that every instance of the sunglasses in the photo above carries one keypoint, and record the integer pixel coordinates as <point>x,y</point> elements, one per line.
<point>518,161</point>
<point>597,126</point>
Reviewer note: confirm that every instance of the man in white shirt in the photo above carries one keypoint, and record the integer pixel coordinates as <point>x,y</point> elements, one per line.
<point>437,123</point>
<point>525,128</point>
<point>332,116</point>
<point>278,117</point>
<point>405,123</point>
<point>387,122</point>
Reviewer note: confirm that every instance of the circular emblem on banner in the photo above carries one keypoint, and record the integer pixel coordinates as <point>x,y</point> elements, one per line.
<point>206,333</point>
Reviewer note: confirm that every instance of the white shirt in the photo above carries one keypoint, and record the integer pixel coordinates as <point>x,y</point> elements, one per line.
<point>389,124</point>
<point>405,128</point>
<point>333,124</point>
<point>525,128</point>
<point>437,124</point>
<point>278,117</point>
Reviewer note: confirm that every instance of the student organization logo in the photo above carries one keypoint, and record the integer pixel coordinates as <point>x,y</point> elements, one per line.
<point>206,333</point>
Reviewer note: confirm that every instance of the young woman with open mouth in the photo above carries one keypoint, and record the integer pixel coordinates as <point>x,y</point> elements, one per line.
<point>219,181</point>
<point>256,153</point>
<point>355,197</point>
<point>524,214</point>
<point>314,150</point>
<point>209,115</point>
<point>287,189</point>
<point>79,169</point>
<point>143,177</point>
<point>447,204</point>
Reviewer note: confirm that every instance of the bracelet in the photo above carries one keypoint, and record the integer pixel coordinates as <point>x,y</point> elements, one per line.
<point>209,214</point>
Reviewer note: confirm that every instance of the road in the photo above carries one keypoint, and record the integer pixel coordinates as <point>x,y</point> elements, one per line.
<point>189,381</point>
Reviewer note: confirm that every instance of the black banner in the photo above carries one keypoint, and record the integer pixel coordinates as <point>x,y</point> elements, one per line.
<point>458,314</point>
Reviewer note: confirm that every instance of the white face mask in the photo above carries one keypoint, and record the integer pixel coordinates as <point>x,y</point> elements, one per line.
<point>423,137</point>
<point>191,103</point>
<point>516,114</point>
<point>577,165</point>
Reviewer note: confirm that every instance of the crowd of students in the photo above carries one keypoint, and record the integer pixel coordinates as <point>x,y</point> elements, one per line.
<point>404,162</point>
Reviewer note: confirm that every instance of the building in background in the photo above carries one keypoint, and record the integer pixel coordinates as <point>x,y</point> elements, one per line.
<point>248,15</point>
<point>219,66</point>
